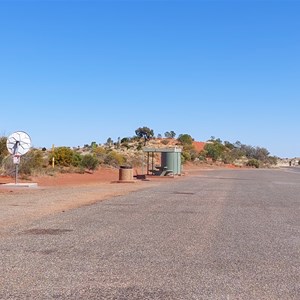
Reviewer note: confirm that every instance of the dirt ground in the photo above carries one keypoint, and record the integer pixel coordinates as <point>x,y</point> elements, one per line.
<point>102,175</point>
<point>69,179</point>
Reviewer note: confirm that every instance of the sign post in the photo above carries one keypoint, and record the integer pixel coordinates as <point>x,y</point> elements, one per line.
<point>18,143</point>
<point>16,161</point>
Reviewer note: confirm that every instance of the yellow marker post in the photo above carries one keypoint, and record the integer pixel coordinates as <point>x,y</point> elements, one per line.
<point>53,160</point>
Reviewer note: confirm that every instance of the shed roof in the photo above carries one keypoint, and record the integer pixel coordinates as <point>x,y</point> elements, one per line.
<point>160,150</point>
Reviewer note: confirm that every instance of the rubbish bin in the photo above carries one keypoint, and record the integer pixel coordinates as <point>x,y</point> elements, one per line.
<point>125,173</point>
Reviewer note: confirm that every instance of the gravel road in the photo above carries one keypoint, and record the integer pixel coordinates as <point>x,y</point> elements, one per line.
<point>221,234</point>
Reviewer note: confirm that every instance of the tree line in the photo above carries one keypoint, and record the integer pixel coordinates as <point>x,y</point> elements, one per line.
<point>114,153</point>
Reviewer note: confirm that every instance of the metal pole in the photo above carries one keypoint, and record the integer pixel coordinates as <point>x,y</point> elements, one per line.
<point>17,170</point>
<point>152,161</point>
<point>148,163</point>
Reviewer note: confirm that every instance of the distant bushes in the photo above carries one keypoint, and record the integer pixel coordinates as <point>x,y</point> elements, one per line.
<point>128,151</point>
<point>229,153</point>
<point>65,160</point>
<point>66,157</point>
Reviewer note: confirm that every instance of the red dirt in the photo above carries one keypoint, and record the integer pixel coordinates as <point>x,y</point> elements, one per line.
<point>103,175</point>
<point>199,146</point>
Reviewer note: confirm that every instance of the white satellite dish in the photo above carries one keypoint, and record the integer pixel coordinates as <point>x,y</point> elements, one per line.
<point>18,143</point>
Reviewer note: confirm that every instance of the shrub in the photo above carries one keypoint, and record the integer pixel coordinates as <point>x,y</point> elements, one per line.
<point>114,159</point>
<point>125,140</point>
<point>76,159</point>
<point>8,168</point>
<point>272,160</point>
<point>227,157</point>
<point>108,157</point>
<point>214,150</point>
<point>65,157</point>
<point>126,145</point>
<point>201,158</point>
<point>3,149</point>
<point>89,162</point>
<point>253,163</point>
<point>31,162</point>
<point>185,156</point>
<point>139,147</point>
<point>100,153</point>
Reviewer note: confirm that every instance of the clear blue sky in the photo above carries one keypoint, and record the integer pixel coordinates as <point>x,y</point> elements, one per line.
<point>73,72</point>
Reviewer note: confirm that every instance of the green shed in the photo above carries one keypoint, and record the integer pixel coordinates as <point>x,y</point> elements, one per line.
<point>170,161</point>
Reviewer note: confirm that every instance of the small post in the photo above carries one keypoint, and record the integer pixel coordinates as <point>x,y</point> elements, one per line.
<point>53,159</point>
<point>148,162</point>
<point>17,171</point>
<point>152,161</point>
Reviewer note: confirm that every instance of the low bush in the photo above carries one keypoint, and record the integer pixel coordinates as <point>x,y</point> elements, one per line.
<point>31,162</point>
<point>89,162</point>
<point>65,157</point>
<point>253,163</point>
<point>114,159</point>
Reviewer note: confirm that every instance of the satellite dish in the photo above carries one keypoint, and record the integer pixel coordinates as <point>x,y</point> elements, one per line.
<point>18,143</point>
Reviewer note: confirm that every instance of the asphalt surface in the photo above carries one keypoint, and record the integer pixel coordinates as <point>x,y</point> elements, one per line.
<point>229,234</point>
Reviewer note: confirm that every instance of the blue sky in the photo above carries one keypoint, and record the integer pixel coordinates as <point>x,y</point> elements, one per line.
<point>73,72</point>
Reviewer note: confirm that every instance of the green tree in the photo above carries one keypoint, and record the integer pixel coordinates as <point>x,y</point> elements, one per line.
<point>214,150</point>
<point>93,145</point>
<point>109,142</point>
<point>173,134</point>
<point>145,133</point>
<point>188,153</point>
<point>170,134</point>
<point>185,139</point>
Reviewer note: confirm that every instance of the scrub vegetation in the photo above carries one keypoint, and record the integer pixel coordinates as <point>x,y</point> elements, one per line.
<point>128,151</point>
